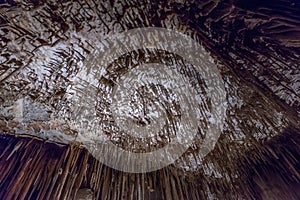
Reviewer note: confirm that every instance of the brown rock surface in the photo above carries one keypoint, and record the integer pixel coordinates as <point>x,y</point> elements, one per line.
<point>43,45</point>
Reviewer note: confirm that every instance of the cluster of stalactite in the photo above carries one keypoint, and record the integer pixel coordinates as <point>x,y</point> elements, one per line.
<point>257,43</point>
<point>32,168</point>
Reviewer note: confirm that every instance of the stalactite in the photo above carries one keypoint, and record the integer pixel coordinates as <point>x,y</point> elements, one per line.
<point>43,45</point>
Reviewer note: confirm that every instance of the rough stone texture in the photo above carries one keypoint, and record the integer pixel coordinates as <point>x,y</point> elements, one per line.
<point>44,44</point>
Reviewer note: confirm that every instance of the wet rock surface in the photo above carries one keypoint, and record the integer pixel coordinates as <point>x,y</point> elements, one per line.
<point>255,45</point>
